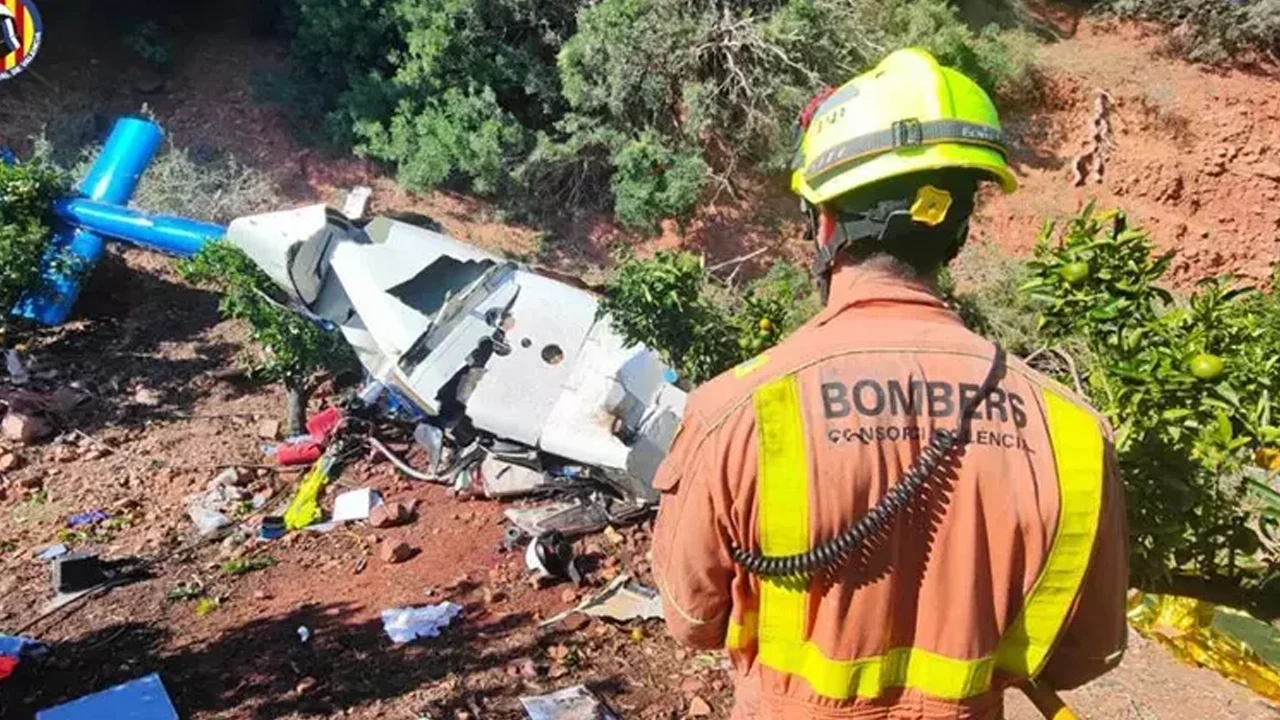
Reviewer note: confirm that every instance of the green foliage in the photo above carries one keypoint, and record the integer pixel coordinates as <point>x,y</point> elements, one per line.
<point>147,39</point>
<point>1213,31</point>
<point>701,327</point>
<point>290,346</point>
<point>639,104</point>
<point>1183,442</point>
<point>246,565</point>
<point>998,60</point>
<point>664,304</point>
<point>454,134</point>
<point>652,181</point>
<point>185,591</point>
<point>27,192</point>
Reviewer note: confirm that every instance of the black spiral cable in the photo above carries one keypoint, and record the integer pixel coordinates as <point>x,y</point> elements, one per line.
<point>836,551</point>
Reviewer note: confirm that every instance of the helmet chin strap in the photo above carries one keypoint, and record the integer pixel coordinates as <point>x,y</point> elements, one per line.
<point>885,222</point>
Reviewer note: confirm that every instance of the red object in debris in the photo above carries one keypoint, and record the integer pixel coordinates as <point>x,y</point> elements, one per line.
<point>304,454</point>
<point>7,666</point>
<point>322,424</point>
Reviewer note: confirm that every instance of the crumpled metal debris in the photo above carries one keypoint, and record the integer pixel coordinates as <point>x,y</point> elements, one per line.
<point>621,600</point>
<point>575,703</point>
<point>446,332</point>
<point>1232,643</point>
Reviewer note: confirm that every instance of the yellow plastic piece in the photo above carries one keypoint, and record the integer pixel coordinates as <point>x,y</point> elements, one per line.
<point>1193,631</point>
<point>1267,458</point>
<point>304,509</point>
<point>907,85</point>
<point>931,205</point>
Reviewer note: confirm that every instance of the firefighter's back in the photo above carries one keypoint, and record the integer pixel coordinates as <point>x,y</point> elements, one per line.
<point>958,594</point>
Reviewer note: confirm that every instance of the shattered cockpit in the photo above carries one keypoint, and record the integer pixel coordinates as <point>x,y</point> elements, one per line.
<point>469,339</point>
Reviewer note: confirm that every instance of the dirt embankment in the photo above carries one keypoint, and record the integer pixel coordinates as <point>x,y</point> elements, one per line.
<point>1192,154</point>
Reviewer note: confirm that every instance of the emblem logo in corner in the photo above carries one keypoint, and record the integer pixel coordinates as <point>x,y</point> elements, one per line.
<point>21,33</point>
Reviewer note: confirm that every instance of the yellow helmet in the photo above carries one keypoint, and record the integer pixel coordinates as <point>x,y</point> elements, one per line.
<point>908,114</point>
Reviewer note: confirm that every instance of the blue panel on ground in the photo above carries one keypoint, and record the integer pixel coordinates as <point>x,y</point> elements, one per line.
<point>141,699</point>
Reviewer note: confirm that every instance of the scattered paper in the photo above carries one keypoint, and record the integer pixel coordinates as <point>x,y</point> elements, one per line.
<point>410,623</point>
<point>355,504</point>
<point>18,374</point>
<point>503,479</point>
<point>575,703</point>
<point>357,199</point>
<point>620,600</point>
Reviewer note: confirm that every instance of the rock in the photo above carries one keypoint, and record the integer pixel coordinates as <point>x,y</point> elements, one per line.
<point>692,685</point>
<point>32,482</point>
<point>390,514</point>
<point>569,595</point>
<point>699,707</point>
<point>25,429</point>
<point>269,429</point>
<point>146,397</point>
<point>65,400</point>
<point>575,622</point>
<point>261,595</point>
<point>305,685</point>
<point>1270,171</point>
<point>10,462</point>
<point>149,86</point>
<point>396,552</point>
<point>492,596</point>
<point>233,544</point>
<point>523,668</point>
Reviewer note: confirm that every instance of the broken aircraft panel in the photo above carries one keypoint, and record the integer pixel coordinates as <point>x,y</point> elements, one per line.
<point>449,326</point>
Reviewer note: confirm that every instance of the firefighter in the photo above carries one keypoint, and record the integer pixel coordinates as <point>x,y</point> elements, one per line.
<point>885,516</point>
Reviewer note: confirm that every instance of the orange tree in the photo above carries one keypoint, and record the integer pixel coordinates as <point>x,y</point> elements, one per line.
<point>1188,385</point>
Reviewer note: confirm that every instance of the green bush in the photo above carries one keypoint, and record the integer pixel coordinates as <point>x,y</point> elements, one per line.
<point>652,181</point>
<point>1185,430</point>
<point>996,59</point>
<point>1213,31</point>
<point>637,104</point>
<point>27,192</point>
<point>289,347</point>
<point>700,326</point>
<point>458,133</point>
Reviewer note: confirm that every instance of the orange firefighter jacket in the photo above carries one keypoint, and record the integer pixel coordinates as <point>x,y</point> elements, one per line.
<point>1011,564</point>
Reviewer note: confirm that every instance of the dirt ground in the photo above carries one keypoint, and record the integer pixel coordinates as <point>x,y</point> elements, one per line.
<point>1195,156</point>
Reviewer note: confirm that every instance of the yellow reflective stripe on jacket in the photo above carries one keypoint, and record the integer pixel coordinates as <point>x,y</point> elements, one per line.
<point>905,667</point>
<point>1078,454</point>
<point>783,506</point>
<point>742,635</point>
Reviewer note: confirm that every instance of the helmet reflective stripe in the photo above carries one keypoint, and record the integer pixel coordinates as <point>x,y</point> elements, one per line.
<point>906,134</point>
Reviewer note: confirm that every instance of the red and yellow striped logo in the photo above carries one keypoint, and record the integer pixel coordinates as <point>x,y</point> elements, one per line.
<point>19,24</point>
